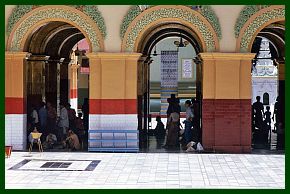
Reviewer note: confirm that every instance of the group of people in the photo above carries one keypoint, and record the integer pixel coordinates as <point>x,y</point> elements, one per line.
<point>190,136</point>
<point>262,121</point>
<point>67,129</point>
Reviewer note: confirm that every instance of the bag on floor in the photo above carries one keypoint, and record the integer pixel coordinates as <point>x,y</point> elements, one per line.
<point>199,147</point>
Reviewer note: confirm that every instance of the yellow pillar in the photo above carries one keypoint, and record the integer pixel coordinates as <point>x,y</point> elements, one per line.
<point>113,82</point>
<point>15,100</point>
<point>113,99</point>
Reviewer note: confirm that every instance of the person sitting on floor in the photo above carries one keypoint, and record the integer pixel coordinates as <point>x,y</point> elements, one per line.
<point>159,129</point>
<point>50,141</point>
<point>72,141</point>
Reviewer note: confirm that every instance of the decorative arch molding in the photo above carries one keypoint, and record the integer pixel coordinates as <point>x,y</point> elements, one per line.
<point>252,21</point>
<point>87,18</point>
<point>139,22</point>
<point>204,10</point>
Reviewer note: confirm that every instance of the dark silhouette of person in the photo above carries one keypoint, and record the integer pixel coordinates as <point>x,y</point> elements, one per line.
<point>173,105</point>
<point>268,116</point>
<point>159,132</point>
<point>188,122</point>
<point>42,114</point>
<point>277,112</point>
<point>173,126</point>
<point>279,124</point>
<point>196,120</point>
<point>267,124</point>
<point>51,118</point>
<point>72,117</point>
<point>258,110</point>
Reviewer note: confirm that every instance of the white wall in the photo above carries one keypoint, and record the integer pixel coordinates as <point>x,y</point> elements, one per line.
<point>113,15</point>
<point>227,15</point>
<point>260,85</point>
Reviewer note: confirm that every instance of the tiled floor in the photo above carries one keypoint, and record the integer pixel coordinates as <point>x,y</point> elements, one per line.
<point>143,170</point>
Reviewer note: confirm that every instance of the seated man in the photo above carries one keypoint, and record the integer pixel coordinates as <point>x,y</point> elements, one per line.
<point>50,141</point>
<point>72,141</point>
<point>159,129</point>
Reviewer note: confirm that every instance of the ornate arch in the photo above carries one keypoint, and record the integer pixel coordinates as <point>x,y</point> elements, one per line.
<point>142,21</point>
<point>25,18</point>
<point>252,20</point>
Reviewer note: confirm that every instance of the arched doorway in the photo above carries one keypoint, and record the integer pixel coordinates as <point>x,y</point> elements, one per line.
<point>180,50</point>
<point>269,45</point>
<point>167,26</point>
<point>264,34</point>
<point>53,73</point>
<point>45,38</point>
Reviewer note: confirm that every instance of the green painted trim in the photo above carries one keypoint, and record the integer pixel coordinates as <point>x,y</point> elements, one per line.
<point>186,15</point>
<point>55,12</point>
<point>205,10</point>
<point>17,13</point>
<point>90,10</point>
<point>133,12</point>
<point>277,13</point>
<point>93,12</point>
<point>245,15</point>
<point>212,18</point>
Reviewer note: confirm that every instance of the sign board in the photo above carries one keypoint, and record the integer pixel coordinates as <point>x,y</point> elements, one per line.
<point>186,68</point>
<point>169,69</point>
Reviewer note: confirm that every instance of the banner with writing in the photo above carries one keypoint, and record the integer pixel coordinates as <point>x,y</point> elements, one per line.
<point>169,69</point>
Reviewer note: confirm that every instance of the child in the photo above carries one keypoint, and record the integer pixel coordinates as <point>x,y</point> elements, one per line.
<point>268,116</point>
<point>267,124</point>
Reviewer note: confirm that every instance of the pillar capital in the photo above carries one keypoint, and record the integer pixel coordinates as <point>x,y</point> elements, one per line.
<point>227,56</point>
<point>117,56</point>
<point>15,54</point>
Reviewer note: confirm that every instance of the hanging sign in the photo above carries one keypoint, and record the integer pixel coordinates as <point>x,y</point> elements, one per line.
<point>169,69</point>
<point>186,68</point>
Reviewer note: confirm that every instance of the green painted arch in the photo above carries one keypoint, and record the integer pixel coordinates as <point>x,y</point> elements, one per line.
<point>204,10</point>
<point>245,15</point>
<point>267,15</point>
<point>21,10</point>
<point>185,13</point>
<point>132,13</point>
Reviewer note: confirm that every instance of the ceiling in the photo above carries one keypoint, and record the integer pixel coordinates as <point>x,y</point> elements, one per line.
<point>55,39</point>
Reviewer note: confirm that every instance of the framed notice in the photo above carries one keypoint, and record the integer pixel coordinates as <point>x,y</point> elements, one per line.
<point>186,68</point>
